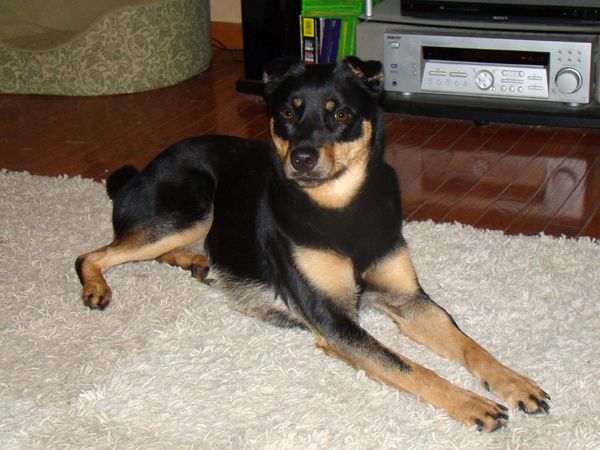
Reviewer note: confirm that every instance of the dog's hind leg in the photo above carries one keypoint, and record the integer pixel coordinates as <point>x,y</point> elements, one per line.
<point>135,246</point>
<point>189,258</point>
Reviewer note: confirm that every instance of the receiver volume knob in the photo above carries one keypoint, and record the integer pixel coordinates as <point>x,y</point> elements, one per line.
<point>568,80</point>
<point>484,79</point>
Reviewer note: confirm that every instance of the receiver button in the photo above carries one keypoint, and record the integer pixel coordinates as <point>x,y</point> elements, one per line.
<point>484,79</point>
<point>568,80</point>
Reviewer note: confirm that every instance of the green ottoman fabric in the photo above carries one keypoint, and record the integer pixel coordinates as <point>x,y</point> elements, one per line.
<point>101,47</point>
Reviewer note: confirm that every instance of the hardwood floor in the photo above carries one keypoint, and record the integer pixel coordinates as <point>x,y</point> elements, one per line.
<point>520,179</point>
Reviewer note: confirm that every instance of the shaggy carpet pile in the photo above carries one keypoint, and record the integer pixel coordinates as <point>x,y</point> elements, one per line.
<point>168,365</point>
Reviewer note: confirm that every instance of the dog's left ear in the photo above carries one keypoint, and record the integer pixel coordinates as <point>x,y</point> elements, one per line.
<point>369,72</point>
<point>276,70</point>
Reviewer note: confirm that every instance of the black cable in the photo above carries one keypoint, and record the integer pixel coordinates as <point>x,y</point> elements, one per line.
<point>236,54</point>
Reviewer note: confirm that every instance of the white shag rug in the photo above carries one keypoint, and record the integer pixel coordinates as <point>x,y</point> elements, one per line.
<point>167,365</point>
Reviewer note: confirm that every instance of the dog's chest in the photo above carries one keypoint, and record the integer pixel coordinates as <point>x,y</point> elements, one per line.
<point>364,231</point>
<point>363,234</point>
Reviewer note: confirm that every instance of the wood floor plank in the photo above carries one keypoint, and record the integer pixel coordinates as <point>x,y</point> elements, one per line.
<point>438,166</point>
<point>558,230</point>
<point>592,227</point>
<point>579,206</point>
<point>407,160</point>
<point>447,189</point>
<point>505,170</point>
<point>516,196</point>
<point>565,180</point>
<point>397,125</point>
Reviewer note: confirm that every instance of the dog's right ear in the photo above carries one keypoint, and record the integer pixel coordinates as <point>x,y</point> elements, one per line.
<point>278,69</point>
<point>369,72</point>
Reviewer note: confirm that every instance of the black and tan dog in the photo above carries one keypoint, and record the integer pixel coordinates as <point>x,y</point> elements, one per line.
<point>297,231</point>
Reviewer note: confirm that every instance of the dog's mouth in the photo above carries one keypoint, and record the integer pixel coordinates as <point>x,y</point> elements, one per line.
<point>312,180</point>
<point>307,177</point>
<point>304,180</point>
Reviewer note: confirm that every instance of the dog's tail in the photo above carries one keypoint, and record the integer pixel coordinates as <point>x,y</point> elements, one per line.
<point>118,179</point>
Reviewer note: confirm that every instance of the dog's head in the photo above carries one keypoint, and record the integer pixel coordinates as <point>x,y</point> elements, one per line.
<point>325,124</point>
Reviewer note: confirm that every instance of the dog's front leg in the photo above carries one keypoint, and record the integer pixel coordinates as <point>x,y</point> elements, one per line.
<point>421,319</point>
<point>342,338</point>
<point>322,289</point>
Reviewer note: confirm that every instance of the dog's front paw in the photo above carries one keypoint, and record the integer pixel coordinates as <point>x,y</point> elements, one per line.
<point>199,266</point>
<point>474,410</point>
<point>520,392</point>
<point>200,271</point>
<point>96,295</point>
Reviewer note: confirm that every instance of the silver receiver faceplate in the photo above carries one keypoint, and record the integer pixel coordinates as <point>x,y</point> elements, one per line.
<point>543,69</point>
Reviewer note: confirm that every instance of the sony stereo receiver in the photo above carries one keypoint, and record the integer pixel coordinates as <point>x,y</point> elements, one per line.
<point>529,67</point>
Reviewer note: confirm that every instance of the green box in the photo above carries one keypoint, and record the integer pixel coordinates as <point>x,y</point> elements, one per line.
<point>346,10</point>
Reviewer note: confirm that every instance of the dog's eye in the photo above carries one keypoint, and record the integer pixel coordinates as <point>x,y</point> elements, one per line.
<point>342,116</point>
<point>287,113</point>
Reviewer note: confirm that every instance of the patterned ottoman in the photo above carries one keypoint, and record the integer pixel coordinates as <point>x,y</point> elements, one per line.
<point>70,47</point>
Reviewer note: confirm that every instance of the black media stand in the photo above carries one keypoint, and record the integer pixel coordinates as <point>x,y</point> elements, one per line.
<point>492,110</point>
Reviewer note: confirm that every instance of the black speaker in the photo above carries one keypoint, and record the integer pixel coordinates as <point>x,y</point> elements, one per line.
<point>271,29</point>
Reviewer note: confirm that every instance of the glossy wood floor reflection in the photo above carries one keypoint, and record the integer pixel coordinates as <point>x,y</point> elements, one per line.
<point>520,179</point>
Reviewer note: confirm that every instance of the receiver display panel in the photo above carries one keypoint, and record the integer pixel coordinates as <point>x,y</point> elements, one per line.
<point>476,55</point>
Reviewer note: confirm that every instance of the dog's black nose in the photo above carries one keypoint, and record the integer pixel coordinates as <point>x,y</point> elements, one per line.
<point>304,159</point>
